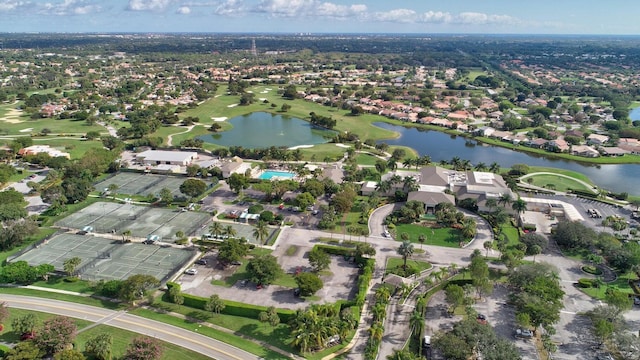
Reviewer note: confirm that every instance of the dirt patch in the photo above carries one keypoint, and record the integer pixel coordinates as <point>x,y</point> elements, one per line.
<point>12,116</point>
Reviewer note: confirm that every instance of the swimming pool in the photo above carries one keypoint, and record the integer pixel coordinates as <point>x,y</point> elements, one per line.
<point>269,174</point>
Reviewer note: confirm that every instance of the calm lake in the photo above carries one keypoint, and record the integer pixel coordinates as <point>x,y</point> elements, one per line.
<point>262,130</point>
<point>440,146</point>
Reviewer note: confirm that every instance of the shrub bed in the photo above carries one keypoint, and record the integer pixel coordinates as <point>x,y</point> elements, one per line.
<point>590,269</point>
<point>585,283</point>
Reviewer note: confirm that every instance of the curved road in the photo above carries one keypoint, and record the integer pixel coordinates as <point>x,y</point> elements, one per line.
<point>120,319</point>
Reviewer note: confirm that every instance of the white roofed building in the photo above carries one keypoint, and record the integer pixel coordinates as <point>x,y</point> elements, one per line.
<point>164,157</point>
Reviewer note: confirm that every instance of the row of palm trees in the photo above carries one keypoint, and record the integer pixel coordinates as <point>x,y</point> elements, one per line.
<point>409,184</point>
<point>312,328</point>
<point>464,165</point>
<point>260,231</point>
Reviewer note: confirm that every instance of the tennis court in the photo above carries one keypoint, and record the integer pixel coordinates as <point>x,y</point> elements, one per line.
<point>105,217</point>
<point>107,259</point>
<point>143,184</point>
<point>66,246</point>
<point>133,258</point>
<point>141,221</point>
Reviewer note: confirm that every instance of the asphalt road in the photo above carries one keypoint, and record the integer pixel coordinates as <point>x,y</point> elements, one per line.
<point>187,339</point>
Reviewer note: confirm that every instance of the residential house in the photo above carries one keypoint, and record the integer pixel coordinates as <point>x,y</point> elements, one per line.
<point>585,151</point>
<point>597,139</point>
<point>558,145</point>
<point>613,151</point>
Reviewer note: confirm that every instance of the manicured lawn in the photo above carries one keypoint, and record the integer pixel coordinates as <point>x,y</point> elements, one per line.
<point>396,262</point>
<point>348,221</point>
<point>63,297</point>
<point>56,126</point>
<point>230,339</point>
<point>9,336</point>
<point>557,183</point>
<point>74,146</point>
<point>366,159</point>
<point>570,173</point>
<point>512,234</point>
<point>621,284</point>
<point>435,236</point>
<point>56,282</point>
<point>122,339</point>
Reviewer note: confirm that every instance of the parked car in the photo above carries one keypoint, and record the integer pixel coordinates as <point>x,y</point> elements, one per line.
<point>191,271</point>
<point>315,212</point>
<point>524,333</point>
<point>386,233</point>
<point>636,301</point>
<point>481,319</point>
<point>201,261</point>
<point>148,242</point>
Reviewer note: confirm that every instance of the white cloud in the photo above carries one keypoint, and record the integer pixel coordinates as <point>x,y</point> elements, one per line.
<point>229,7</point>
<point>148,5</point>
<point>309,8</point>
<point>12,5</point>
<point>395,15</point>
<point>435,17</point>
<point>474,18</point>
<point>184,10</point>
<point>68,7</point>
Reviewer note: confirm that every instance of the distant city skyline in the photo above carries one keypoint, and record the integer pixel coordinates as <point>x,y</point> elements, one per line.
<point>597,17</point>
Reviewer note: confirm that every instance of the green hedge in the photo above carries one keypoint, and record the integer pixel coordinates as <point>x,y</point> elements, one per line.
<point>335,250</point>
<point>585,283</point>
<point>235,308</point>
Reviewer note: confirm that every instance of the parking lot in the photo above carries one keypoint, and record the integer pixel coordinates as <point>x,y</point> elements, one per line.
<point>339,282</point>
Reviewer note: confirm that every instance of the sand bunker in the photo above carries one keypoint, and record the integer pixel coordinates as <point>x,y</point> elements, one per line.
<point>343,146</point>
<point>300,147</point>
<point>27,130</point>
<point>232,105</point>
<point>262,99</point>
<point>12,116</point>
<point>223,118</point>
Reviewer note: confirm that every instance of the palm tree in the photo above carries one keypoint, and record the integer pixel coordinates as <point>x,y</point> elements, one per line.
<point>491,203</point>
<point>382,294</point>
<point>395,179</point>
<point>383,187</point>
<point>455,163</point>
<point>261,231</point>
<point>410,184</point>
<point>505,199</point>
<point>392,164</point>
<point>519,206</point>
<point>421,304</point>
<point>422,238</point>
<point>216,229</point>
<point>424,160</point>
<point>465,165</point>
<point>416,322</point>
<point>402,355</point>
<point>215,304</point>
<point>408,162</point>
<point>230,231</point>
<point>379,311</point>
<point>468,228</point>
<point>494,167</point>
<point>487,246</point>
<point>481,167</point>
<point>405,250</point>
<point>376,331</point>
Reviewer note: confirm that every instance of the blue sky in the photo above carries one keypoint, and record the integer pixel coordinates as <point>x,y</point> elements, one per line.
<point>320,16</point>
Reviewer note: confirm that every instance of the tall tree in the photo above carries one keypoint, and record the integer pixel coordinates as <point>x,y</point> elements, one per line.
<point>24,324</point>
<point>264,269</point>
<point>232,250</point>
<point>143,348</point>
<point>70,265</point>
<point>55,334</point>
<point>405,250</point>
<point>99,346</point>
<point>261,231</point>
<point>214,304</point>
<point>318,259</point>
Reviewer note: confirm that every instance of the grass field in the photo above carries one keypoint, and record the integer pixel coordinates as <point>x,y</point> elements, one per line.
<point>435,236</point>
<point>231,339</point>
<point>366,159</point>
<point>569,173</point>
<point>620,284</point>
<point>75,146</point>
<point>395,262</point>
<point>121,338</point>
<point>557,183</point>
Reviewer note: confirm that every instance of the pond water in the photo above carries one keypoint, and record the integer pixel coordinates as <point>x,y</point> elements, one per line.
<point>440,146</point>
<point>634,114</point>
<point>262,130</point>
